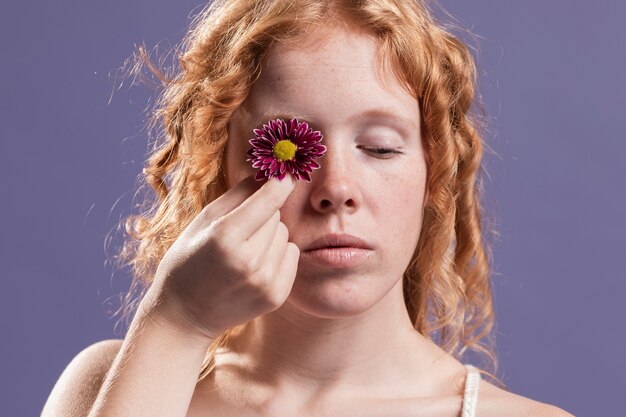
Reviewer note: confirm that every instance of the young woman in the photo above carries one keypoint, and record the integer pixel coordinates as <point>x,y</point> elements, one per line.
<point>352,289</point>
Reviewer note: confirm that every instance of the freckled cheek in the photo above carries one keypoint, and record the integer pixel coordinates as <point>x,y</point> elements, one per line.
<point>394,198</point>
<point>400,204</point>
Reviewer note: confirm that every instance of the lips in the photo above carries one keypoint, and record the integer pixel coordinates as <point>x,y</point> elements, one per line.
<point>337,240</point>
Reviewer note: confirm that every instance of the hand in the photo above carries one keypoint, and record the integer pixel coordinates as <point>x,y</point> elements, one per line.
<point>231,264</point>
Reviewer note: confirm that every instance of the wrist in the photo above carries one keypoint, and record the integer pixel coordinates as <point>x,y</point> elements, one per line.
<point>169,322</point>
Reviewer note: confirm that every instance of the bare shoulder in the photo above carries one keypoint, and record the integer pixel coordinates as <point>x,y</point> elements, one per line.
<point>79,383</point>
<point>494,401</point>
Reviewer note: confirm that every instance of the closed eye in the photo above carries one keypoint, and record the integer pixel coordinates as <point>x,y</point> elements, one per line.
<point>382,151</point>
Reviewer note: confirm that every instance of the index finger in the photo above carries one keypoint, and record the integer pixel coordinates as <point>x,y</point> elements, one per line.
<point>257,209</point>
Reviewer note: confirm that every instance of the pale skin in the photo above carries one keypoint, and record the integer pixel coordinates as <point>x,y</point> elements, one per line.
<point>322,341</point>
<point>317,348</point>
<point>316,354</point>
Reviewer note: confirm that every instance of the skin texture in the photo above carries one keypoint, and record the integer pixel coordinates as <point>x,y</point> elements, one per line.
<point>340,343</point>
<point>377,197</point>
<point>318,345</point>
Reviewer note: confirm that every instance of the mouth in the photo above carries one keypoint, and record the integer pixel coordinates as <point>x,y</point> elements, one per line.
<point>337,251</point>
<point>337,241</point>
<point>333,247</point>
<point>337,257</point>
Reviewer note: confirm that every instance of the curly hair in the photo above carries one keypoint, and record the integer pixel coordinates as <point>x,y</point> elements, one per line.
<point>447,282</point>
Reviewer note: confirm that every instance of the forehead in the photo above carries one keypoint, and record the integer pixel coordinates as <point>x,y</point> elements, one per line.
<point>334,78</point>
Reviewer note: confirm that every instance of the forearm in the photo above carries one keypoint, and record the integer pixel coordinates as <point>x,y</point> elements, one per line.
<point>154,374</point>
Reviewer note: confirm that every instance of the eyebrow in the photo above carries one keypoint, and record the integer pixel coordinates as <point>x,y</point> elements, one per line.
<point>379,114</point>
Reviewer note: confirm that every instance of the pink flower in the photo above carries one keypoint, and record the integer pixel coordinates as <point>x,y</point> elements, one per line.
<point>281,147</point>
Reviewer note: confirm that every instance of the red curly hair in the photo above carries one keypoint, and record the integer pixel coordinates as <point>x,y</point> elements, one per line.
<point>447,283</point>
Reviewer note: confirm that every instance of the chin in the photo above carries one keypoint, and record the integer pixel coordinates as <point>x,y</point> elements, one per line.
<point>334,297</point>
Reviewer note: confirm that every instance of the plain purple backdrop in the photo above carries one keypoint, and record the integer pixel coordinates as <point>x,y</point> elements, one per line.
<point>552,75</point>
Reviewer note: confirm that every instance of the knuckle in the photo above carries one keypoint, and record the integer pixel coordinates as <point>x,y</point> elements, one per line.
<point>276,300</point>
<point>218,228</point>
<point>207,213</point>
<point>220,235</point>
<point>265,285</point>
<point>273,297</point>
<point>250,265</point>
<point>265,277</point>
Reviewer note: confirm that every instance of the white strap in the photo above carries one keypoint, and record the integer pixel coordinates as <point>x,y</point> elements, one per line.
<point>470,396</point>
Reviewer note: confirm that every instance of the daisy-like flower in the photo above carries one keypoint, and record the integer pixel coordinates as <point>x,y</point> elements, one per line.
<point>281,147</point>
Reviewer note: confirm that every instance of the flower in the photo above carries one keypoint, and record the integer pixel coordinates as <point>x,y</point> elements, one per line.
<point>281,147</point>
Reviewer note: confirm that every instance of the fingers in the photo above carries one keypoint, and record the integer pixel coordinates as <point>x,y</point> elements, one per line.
<point>261,240</point>
<point>255,211</point>
<point>232,198</point>
<point>278,245</point>
<point>279,265</point>
<point>288,268</point>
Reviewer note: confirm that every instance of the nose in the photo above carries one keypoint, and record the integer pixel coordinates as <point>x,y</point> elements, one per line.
<point>336,183</point>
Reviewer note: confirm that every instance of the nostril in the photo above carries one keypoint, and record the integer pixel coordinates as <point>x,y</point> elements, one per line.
<point>327,203</point>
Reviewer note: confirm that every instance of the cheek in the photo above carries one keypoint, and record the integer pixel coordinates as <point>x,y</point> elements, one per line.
<point>398,201</point>
<point>400,187</point>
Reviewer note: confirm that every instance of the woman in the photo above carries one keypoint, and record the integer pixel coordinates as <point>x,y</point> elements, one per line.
<point>354,293</point>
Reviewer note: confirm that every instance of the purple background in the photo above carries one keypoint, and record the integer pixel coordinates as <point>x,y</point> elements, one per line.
<point>552,77</point>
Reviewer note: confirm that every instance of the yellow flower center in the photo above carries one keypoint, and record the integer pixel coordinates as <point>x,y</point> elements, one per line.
<point>285,150</point>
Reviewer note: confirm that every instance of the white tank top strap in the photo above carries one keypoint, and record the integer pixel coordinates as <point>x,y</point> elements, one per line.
<point>470,396</point>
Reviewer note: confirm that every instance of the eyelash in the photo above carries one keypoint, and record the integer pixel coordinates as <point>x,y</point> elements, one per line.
<point>381,151</point>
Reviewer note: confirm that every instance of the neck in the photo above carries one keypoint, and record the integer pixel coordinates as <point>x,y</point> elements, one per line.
<point>297,354</point>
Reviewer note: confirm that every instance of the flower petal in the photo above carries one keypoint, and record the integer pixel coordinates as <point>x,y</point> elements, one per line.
<point>308,147</point>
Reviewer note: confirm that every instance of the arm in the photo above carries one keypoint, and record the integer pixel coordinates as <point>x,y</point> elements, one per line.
<point>154,374</point>
<point>239,242</point>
